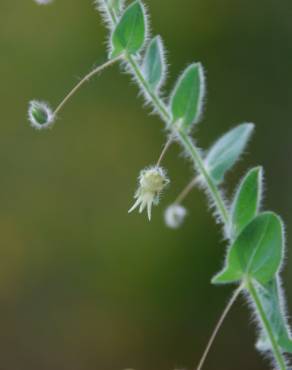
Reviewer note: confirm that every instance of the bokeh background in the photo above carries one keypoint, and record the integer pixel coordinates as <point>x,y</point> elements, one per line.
<point>84,285</point>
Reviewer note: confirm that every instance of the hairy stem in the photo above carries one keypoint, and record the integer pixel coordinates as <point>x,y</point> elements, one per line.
<point>185,140</point>
<point>111,12</point>
<point>199,163</point>
<point>85,79</point>
<point>156,101</point>
<point>267,326</point>
<point>213,191</point>
<point>218,326</point>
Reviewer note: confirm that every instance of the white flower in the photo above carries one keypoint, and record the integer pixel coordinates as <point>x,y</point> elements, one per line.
<point>174,216</point>
<point>151,183</point>
<point>40,115</point>
<point>43,2</point>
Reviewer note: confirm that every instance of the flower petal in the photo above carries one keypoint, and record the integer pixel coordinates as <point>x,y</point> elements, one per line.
<point>149,208</point>
<point>136,205</point>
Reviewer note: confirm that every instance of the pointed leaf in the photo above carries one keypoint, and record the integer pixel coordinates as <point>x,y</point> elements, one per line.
<point>247,200</point>
<point>131,31</point>
<point>257,252</point>
<point>187,98</point>
<point>285,342</point>
<point>154,67</point>
<point>227,150</point>
<point>271,299</point>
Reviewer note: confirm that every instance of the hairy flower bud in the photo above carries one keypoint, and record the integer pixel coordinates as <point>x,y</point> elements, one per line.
<point>40,115</point>
<point>174,216</point>
<point>43,2</point>
<point>152,181</point>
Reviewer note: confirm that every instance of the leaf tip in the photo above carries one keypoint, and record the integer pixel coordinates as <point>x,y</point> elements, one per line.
<point>249,126</point>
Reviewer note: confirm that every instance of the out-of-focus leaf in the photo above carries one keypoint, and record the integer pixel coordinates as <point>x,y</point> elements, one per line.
<point>154,67</point>
<point>271,299</point>
<point>227,150</point>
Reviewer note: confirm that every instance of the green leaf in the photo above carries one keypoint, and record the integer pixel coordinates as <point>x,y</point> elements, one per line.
<point>154,67</point>
<point>257,252</point>
<point>187,98</point>
<point>285,342</point>
<point>227,150</point>
<point>131,31</point>
<point>271,299</point>
<point>247,200</point>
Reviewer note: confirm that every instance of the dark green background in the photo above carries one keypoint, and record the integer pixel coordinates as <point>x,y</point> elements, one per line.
<point>83,285</point>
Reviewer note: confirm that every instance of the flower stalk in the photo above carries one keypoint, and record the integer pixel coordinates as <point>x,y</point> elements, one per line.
<point>86,78</point>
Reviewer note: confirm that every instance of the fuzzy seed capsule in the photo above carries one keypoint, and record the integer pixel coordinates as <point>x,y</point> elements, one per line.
<point>40,115</point>
<point>43,2</point>
<point>174,216</point>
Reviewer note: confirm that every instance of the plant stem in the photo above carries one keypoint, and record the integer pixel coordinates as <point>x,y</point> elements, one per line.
<point>266,324</point>
<point>213,189</point>
<point>185,140</point>
<point>218,326</point>
<point>113,15</point>
<point>220,205</point>
<point>85,79</point>
<point>156,101</point>
<point>214,192</point>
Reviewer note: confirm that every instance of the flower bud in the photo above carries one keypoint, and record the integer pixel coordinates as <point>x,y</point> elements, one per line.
<point>43,2</point>
<point>40,115</point>
<point>151,183</point>
<point>174,216</point>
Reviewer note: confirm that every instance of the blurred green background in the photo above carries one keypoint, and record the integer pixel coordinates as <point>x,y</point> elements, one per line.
<point>84,285</point>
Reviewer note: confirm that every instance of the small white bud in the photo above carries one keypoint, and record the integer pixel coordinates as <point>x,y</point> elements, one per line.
<point>174,216</point>
<point>151,183</point>
<point>43,2</point>
<point>40,115</point>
